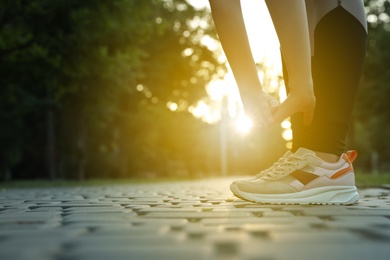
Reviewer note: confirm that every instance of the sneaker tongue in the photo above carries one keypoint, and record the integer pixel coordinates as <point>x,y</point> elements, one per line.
<point>304,151</point>
<point>313,160</point>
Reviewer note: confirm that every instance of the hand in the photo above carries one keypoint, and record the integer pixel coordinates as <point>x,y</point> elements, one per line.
<point>259,107</point>
<point>297,102</point>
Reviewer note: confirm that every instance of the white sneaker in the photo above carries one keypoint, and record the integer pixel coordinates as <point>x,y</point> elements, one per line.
<point>302,178</point>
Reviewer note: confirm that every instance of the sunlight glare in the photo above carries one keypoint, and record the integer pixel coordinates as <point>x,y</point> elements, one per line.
<point>261,31</point>
<point>282,94</point>
<point>140,87</point>
<point>200,110</point>
<point>216,89</point>
<point>287,134</point>
<point>172,106</point>
<point>266,52</point>
<point>244,124</point>
<point>286,124</point>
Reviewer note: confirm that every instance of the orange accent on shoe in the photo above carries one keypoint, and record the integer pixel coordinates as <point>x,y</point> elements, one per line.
<point>352,154</point>
<point>342,172</point>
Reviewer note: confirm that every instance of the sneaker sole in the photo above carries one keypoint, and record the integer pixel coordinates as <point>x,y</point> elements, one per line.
<point>333,195</point>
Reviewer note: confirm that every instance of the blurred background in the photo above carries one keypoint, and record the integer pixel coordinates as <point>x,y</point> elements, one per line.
<point>141,89</point>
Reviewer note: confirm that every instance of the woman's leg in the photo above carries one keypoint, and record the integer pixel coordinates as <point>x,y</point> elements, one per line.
<point>302,178</point>
<point>338,33</point>
<point>289,18</point>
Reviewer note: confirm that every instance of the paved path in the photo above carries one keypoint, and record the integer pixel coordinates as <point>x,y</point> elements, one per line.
<point>185,220</point>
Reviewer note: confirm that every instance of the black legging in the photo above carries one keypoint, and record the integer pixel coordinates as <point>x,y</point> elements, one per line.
<point>337,64</point>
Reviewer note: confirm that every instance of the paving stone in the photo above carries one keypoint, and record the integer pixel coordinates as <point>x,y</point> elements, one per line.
<point>103,217</point>
<point>149,230</point>
<point>257,211</point>
<point>96,225</point>
<point>29,218</point>
<point>271,214</point>
<point>67,206</point>
<point>159,221</point>
<point>90,210</point>
<point>46,233</point>
<point>199,231</point>
<point>198,215</point>
<point>191,204</point>
<point>264,229</point>
<point>341,211</point>
<point>23,243</point>
<point>11,202</point>
<point>187,252</point>
<point>29,254</point>
<point>50,210</point>
<point>8,211</point>
<point>296,251</point>
<point>362,220</point>
<point>186,220</point>
<point>151,204</point>
<point>123,240</point>
<point>168,209</point>
<point>256,220</point>
<point>315,236</point>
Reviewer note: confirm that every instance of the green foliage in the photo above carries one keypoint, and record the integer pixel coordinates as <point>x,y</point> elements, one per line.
<point>84,85</point>
<point>372,129</point>
<point>179,50</point>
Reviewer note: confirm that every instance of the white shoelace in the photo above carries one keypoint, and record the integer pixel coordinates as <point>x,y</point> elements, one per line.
<point>272,168</point>
<point>283,168</point>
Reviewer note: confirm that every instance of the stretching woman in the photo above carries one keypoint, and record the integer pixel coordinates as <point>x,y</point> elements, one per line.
<point>323,44</point>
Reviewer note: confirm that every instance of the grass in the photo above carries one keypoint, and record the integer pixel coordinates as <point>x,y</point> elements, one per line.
<point>86,183</point>
<point>369,180</point>
<point>362,181</point>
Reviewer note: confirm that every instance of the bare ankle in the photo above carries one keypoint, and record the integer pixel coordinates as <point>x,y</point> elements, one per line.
<point>328,157</point>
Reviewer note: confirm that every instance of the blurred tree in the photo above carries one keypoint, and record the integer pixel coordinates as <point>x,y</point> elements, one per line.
<point>81,79</point>
<point>177,67</point>
<point>179,64</point>
<point>372,128</point>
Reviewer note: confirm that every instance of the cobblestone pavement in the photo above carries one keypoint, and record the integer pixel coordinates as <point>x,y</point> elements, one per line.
<point>186,220</point>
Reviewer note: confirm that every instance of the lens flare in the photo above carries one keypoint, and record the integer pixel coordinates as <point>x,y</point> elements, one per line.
<point>244,124</point>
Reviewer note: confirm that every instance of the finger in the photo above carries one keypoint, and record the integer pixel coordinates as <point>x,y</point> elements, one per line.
<point>267,117</point>
<point>285,109</point>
